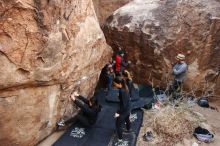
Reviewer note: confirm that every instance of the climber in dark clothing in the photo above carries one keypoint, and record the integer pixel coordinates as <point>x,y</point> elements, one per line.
<point>122,115</point>
<point>90,109</point>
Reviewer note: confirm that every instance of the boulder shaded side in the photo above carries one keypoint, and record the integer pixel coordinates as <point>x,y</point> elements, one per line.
<point>153,32</point>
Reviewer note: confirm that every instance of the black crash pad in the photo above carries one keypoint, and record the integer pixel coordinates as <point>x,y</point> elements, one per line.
<point>76,135</point>
<point>129,139</point>
<point>145,91</point>
<point>139,103</point>
<point>143,102</point>
<point>106,118</point>
<point>103,132</point>
<point>101,97</point>
<point>79,136</point>
<point>134,94</point>
<point>112,95</point>
<point>136,119</point>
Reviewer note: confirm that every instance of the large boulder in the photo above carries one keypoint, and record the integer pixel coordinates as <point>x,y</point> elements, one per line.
<point>105,8</point>
<point>47,49</point>
<point>153,32</point>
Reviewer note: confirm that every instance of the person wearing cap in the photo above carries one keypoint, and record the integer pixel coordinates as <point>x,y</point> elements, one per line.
<point>179,72</point>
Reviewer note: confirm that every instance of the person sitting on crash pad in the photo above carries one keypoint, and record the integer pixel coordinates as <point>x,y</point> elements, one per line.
<point>90,109</point>
<point>122,115</point>
<point>128,79</point>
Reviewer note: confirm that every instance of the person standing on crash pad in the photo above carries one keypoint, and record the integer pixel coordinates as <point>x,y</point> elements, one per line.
<point>120,63</point>
<point>118,60</point>
<point>179,72</point>
<point>110,77</point>
<point>90,109</point>
<point>122,115</point>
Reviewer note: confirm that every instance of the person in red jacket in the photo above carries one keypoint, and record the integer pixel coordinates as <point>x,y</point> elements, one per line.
<point>120,63</point>
<point>118,60</point>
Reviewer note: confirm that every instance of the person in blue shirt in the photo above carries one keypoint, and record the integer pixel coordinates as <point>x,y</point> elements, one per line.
<point>179,72</point>
<point>110,77</point>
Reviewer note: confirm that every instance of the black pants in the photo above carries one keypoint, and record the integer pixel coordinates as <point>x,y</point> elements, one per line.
<point>118,73</point>
<point>175,87</point>
<point>120,122</point>
<point>81,118</point>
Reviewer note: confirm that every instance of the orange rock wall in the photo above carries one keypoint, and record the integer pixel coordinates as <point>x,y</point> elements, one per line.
<point>47,49</point>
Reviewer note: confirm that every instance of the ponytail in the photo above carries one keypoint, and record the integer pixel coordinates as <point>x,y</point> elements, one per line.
<point>124,86</point>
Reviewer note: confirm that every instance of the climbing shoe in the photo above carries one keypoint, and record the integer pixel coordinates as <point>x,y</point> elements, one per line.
<point>61,123</point>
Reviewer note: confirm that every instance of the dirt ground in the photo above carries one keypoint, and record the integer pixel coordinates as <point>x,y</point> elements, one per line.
<point>212,123</point>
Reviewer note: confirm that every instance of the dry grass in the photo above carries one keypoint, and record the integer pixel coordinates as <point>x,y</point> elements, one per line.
<point>170,125</point>
<point>174,124</point>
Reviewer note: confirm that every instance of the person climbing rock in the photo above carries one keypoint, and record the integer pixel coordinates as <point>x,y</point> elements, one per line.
<point>179,72</point>
<point>122,115</point>
<point>90,109</point>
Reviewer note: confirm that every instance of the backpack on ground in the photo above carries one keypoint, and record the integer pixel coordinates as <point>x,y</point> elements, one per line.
<point>203,134</point>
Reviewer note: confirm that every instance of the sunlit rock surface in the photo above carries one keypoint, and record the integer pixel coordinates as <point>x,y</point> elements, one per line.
<point>105,8</point>
<point>47,49</point>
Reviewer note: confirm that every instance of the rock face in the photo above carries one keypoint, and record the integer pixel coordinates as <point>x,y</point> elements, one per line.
<point>47,49</point>
<point>105,8</point>
<point>154,31</point>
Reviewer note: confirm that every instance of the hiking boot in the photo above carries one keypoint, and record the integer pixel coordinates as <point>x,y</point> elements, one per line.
<point>61,123</point>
